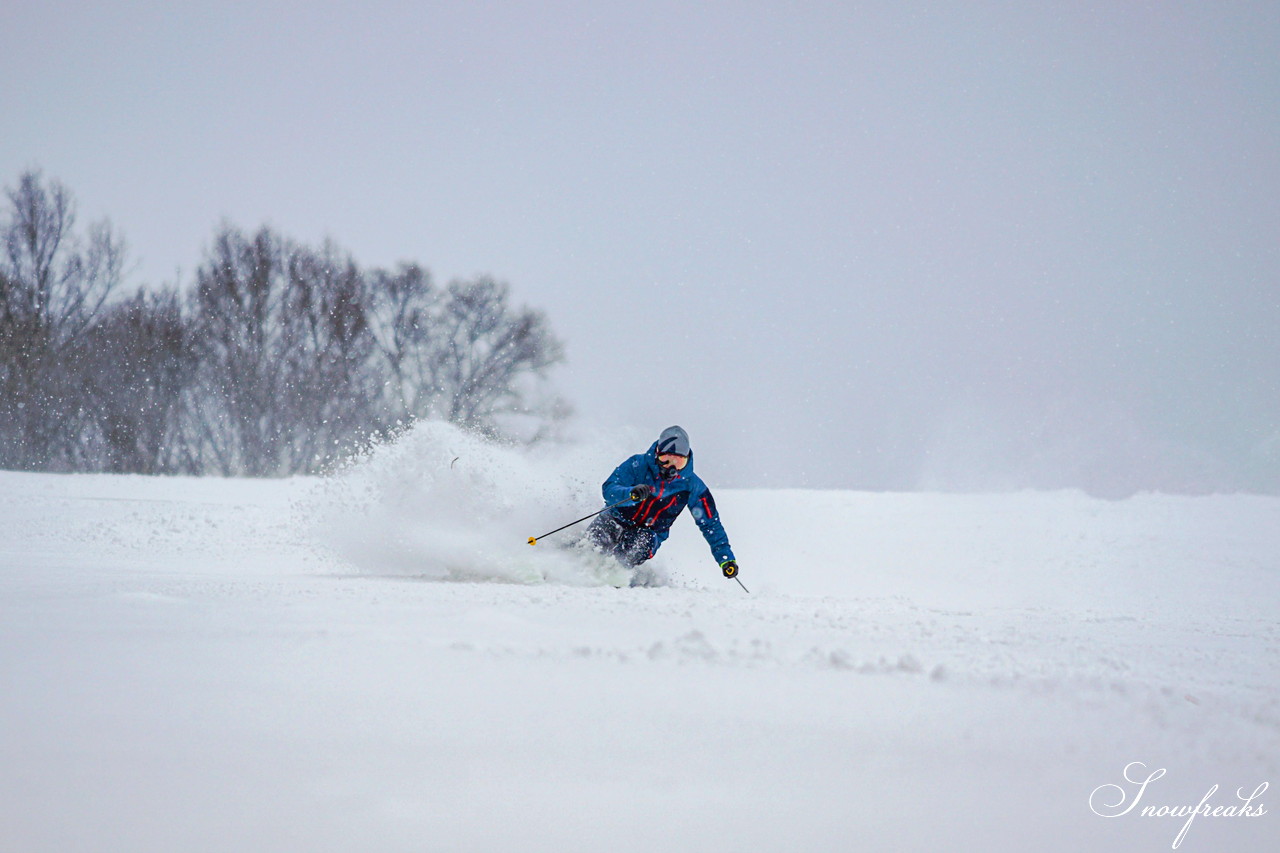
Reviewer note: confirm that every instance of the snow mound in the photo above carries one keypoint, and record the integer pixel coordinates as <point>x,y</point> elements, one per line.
<point>440,503</point>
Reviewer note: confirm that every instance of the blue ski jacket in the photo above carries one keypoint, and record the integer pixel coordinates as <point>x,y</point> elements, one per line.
<point>670,495</point>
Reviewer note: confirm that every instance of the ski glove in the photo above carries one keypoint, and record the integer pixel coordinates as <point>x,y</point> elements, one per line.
<point>640,492</point>
<point>730,568</point>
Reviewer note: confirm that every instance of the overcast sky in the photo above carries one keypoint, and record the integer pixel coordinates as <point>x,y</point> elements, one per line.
<point>878,245</point>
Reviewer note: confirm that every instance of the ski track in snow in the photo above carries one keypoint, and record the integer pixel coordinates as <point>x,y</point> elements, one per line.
<point>989,659</point>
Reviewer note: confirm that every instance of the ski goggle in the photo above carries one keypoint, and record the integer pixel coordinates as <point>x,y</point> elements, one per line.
<point>673,460</point>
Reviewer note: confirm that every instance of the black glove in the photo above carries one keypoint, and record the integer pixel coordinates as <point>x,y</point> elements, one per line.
<point>640,492</point>
<point>730,568</point>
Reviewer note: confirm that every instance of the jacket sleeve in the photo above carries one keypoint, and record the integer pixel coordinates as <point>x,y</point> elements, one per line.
<point>618,487</point>
<point>703,508</point>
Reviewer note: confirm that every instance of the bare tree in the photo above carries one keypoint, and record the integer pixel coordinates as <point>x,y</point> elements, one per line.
<point>464,355</point>
<point>53,284</point>
<point>284,358</point>
<point>481,353</point>
<point>143,359</point>
<point>236,415</point>
<point>286,379</point>
<point>403,306</point>
<point>333,388</point>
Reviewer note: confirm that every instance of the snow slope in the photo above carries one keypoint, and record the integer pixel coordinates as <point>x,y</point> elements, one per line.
<point>379,662</point>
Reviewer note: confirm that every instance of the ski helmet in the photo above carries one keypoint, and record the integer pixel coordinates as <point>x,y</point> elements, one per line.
<point>673,440</point>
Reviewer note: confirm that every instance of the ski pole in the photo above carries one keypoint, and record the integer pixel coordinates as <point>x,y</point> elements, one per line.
<point>533,540</point>
<point>741,584</point>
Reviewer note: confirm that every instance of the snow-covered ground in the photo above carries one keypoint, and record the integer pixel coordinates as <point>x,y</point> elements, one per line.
<point>379,662</point>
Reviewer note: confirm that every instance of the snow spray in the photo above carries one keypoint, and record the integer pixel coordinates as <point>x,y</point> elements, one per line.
<point>440,503</point>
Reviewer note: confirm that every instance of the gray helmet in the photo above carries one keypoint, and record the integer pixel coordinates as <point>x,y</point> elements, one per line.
<point>673,440</point>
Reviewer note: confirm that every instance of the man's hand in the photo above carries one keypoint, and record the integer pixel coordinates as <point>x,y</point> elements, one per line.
<point>730,568</point>
<point>640,492</point>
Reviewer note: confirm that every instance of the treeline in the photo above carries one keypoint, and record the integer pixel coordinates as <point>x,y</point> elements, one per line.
<point>280,358</point>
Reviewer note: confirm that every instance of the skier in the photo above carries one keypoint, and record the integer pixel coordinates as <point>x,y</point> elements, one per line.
<point>653,488</point>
